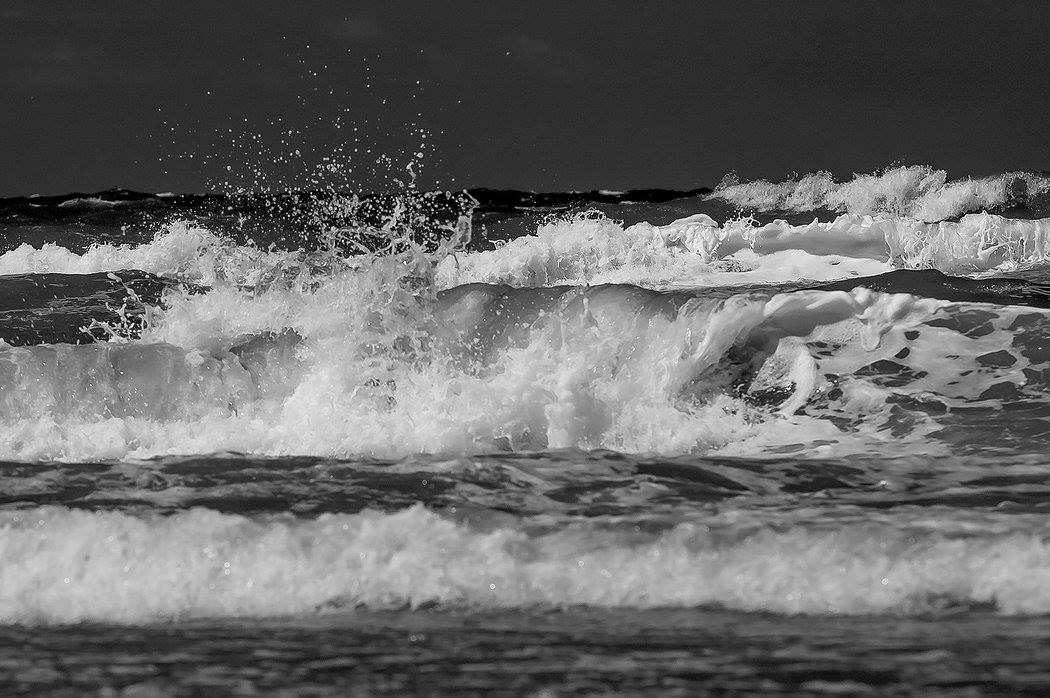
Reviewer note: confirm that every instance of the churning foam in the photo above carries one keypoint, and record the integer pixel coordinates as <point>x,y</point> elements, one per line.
<point>697,251</point>
<point>369,362</point>
<point>392,355</point>
<point>691,252</point>
<point>916,191</point>
<point>178,251</point>
<point>64,565</point>
<point>589,248</point>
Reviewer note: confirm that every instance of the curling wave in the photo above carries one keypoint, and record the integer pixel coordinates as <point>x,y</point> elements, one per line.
<point>356,365</point>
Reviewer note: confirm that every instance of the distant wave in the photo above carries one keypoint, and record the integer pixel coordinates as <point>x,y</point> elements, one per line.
<point>915,191</point>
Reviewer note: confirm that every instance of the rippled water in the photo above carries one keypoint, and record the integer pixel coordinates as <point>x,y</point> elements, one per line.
<point>668,651</point>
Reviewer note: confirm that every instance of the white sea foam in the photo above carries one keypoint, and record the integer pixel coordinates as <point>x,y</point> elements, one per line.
<point>916,191</point>
<point>180,251</point>
<point>976,243</point>
<point>364,366</point>
<point>692,252</point>
<point>64,566</point>
<point>373,360</point>
<point>696,251</point>
<point>90,202</point>
<point>395,355</point>
<point>590,249</point>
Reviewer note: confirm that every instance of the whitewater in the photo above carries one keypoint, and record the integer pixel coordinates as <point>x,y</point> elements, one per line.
<point>791,405</point>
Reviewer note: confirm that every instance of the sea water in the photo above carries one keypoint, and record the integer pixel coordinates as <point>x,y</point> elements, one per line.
<point>774,437</point>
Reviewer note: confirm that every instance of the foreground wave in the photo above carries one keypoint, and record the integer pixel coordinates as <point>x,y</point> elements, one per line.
<point>276,352</point>
<point>482,367</point>
<point>65,566</point>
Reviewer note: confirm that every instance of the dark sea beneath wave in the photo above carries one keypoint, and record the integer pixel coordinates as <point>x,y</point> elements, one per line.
<point>774,438</point>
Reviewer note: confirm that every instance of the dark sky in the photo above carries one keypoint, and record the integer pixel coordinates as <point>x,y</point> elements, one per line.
<point>528,94</point>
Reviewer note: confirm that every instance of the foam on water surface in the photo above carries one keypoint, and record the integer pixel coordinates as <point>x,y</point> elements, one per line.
<point>554,385</point>
<point>285,354</point>
<point>697,251</point>
<point>355,364</point>
<point>65,566</point>
<point>483,367</point>
<point>592,249</point>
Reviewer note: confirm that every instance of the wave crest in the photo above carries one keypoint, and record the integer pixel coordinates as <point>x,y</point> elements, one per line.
<point>64,566</point>
<point>914,191</point>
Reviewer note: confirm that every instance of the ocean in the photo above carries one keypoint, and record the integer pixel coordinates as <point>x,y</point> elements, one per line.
<point>768,437</point>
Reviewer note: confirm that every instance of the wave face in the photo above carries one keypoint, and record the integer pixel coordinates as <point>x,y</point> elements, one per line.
<point>609,367</point>
<point>616,400</point>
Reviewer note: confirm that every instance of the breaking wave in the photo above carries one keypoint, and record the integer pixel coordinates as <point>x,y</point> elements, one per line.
<point>915,191</point>
<point>872,335</point>
<point>63,566</point>
<point>350,366</point>
<point>589,248</point>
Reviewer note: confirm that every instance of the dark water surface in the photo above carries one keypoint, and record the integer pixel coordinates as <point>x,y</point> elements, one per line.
<point>661,651</point>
